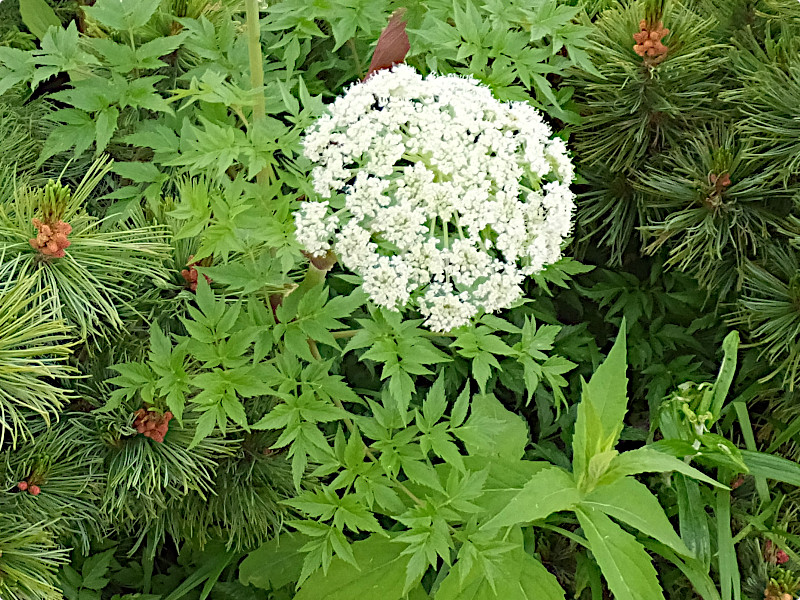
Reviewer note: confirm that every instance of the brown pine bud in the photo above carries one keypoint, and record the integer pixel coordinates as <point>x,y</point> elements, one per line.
<point>22,486</point>
<point>34,490</point>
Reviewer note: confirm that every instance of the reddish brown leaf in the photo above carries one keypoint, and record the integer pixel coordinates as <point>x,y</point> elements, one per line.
<point>392,45</point>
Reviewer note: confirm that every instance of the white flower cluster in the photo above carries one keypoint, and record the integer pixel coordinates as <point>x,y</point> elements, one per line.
<point>445,197</point>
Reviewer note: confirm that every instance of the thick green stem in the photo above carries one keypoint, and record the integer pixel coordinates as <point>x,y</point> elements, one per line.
<point>256,70</point>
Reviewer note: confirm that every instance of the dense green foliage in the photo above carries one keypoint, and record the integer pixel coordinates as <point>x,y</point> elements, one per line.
<point>190,408</point>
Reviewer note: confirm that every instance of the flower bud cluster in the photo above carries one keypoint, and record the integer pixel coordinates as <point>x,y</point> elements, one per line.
<point>152,424</point>
<point>51,239</point>
<point>441,197</point>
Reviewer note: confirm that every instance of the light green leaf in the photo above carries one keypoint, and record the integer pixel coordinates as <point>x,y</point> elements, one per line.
<point>730,578</point>
<point>381,575</point>
<point>123,15</point>
<point>38,16</point>
<point>548,491</point>
<point>602,408</point>
<point>772,467</point>
<point>518,576</point>
<point>649,460</point>
<point>623,561</point>
<point>492,430</point>
<point>727,370</point>
<point>631,502</point>
<point>692,568</point>
<point>607,389</point>
<point>275,563</point>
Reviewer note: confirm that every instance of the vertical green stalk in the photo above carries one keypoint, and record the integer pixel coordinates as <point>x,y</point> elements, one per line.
<point>256,70</point>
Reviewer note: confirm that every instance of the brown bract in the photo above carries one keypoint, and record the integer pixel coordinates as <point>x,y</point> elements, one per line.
<point>190,274</point>
<point>392,46</point>
<point>648,42</point>
<point>52,238</point>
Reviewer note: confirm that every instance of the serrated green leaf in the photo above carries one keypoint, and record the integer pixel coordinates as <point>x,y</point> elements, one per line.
<point>649,460</point>
<point>627,568</point>
<point>549,490</point>
<point>94,570</point>
<point>631,502</point>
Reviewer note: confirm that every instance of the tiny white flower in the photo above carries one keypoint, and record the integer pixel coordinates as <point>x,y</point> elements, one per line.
<point>451,197</point>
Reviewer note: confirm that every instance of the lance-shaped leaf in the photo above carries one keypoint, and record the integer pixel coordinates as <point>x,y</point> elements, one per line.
<point>727,370</point>
<point>393,44</point>
<point>650,460</point>
<point>623,561</point>
<point>631,502</point>
<point>548,491</point>
<point>602,408</point>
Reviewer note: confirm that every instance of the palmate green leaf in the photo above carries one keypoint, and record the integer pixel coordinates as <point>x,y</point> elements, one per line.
<point>548,491</point>
<point>631,502</point>
<point>531,351</point>
<point>61,51</point>
<point>79,134</point>
<point>427,540</point>
<point>134,378</point>
<point>16,66</point>
<point>95,569</point>
<point>623,561</point>
<point>381,574</point>
<point>481,346</point>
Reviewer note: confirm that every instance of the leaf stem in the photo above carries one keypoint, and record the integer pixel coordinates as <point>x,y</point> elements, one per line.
<point>347,333</point>
<point>356,58</point>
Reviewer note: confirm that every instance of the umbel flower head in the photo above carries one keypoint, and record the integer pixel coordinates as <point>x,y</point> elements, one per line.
<point>438,195</point>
